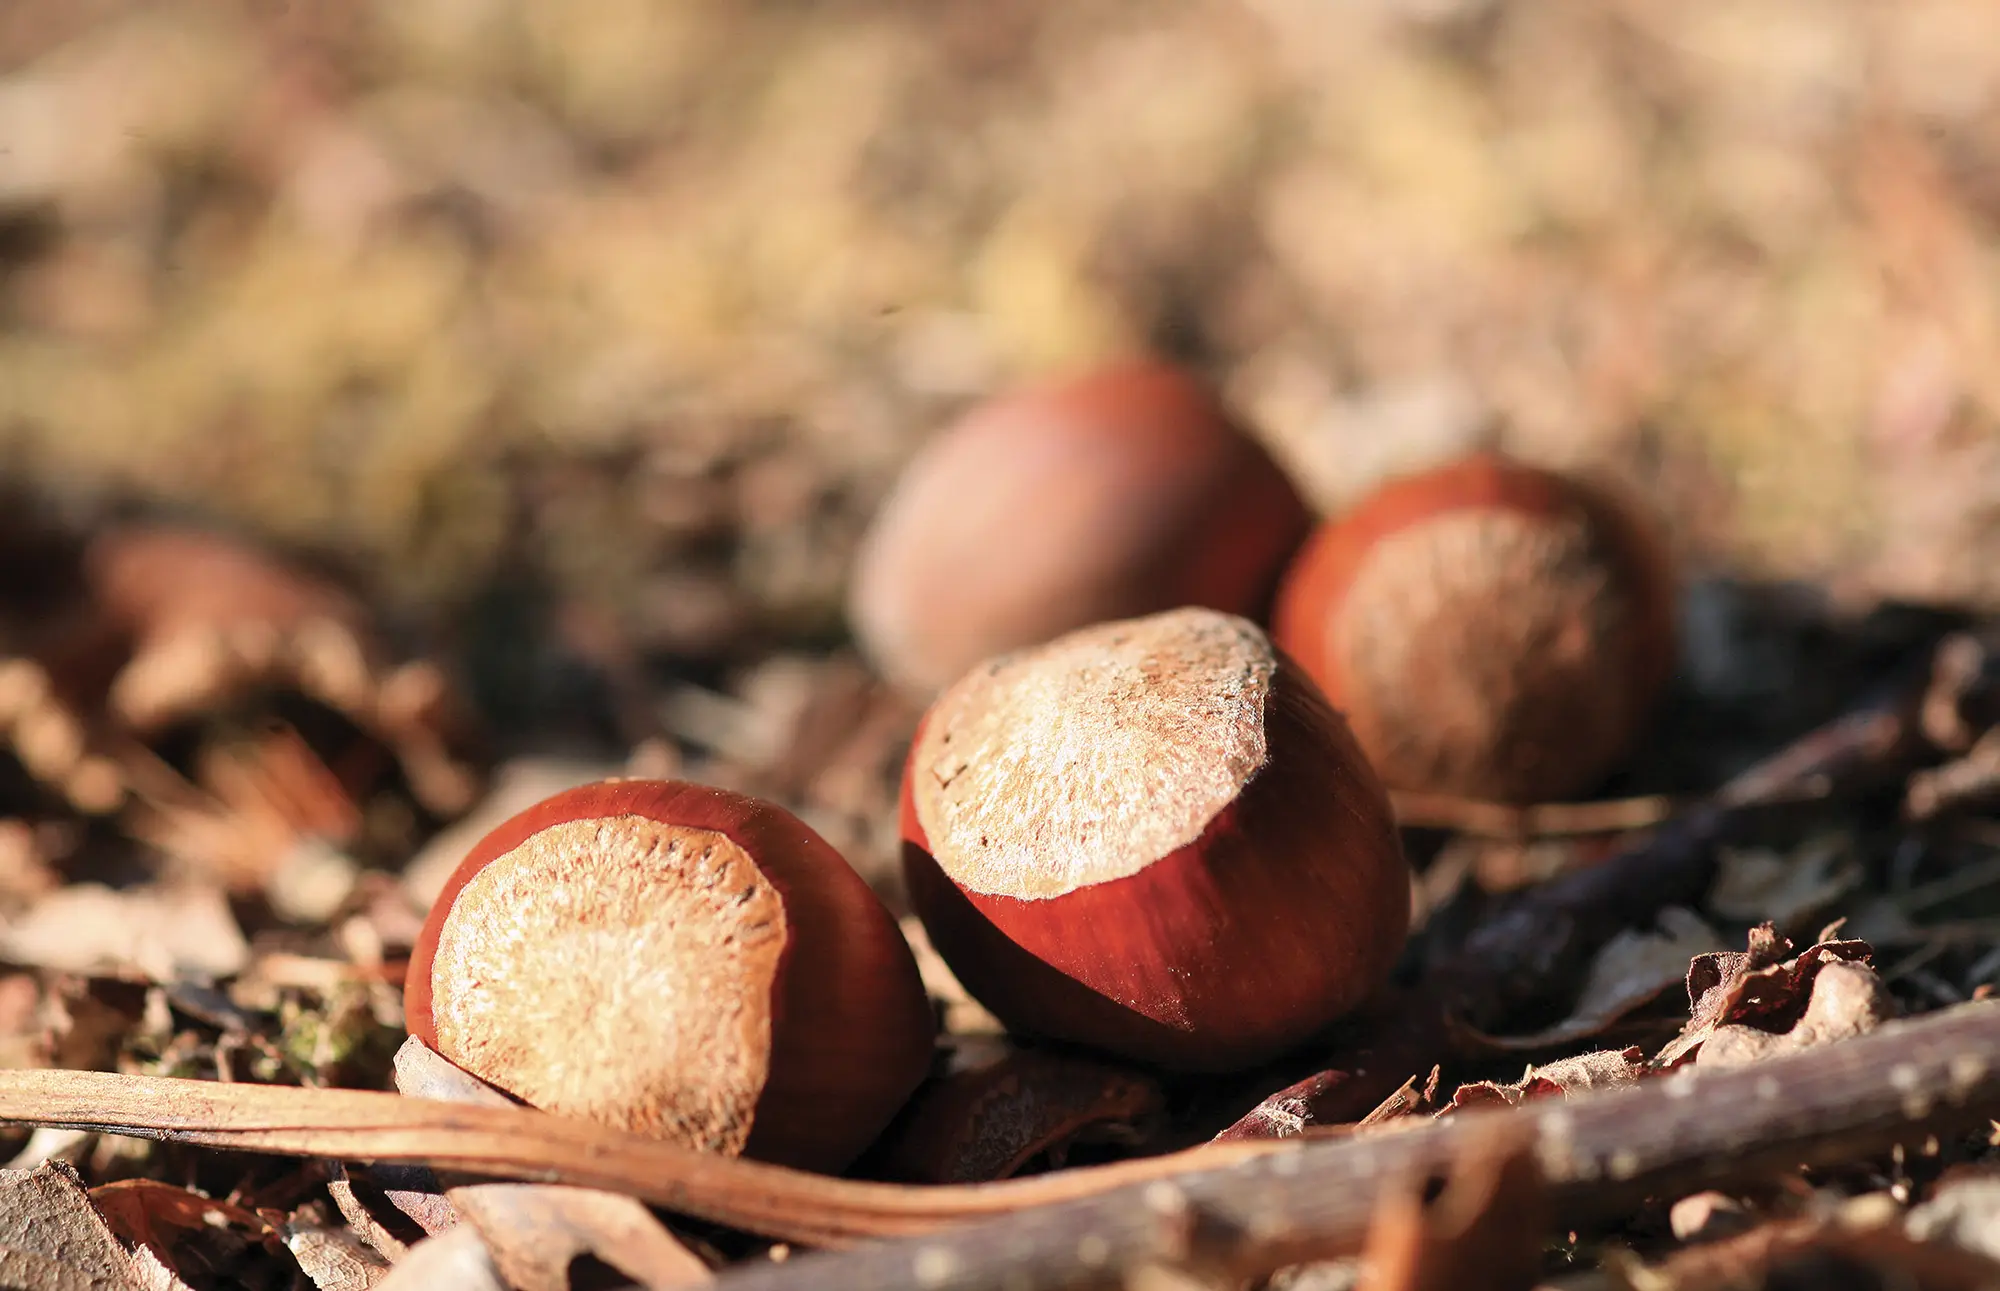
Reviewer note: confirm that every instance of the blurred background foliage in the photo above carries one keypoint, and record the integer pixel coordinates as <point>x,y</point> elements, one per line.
<point>649,300</point>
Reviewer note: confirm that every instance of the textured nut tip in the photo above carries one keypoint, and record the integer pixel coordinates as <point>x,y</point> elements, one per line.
<point>678,961</point>
<point>1122,492</point>
<point>1490,629</point>
<point>1156,838</point>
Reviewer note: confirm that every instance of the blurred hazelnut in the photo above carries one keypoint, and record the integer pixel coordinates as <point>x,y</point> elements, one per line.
<point>1490,629</point>
<point>1122,492</point>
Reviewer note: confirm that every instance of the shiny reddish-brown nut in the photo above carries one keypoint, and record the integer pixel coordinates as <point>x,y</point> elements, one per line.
<point>679,961</point>
<point>1122,492</point>
<point>1490,629</point>
<point>1156,838</point>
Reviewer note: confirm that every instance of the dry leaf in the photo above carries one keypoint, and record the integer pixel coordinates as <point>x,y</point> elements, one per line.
<point>1847,1000</point>
<point>1568,1077</point>
<point>1286,1113</point>
<point>423,1072</point>
<point>372,1213</point>
<point>53,1239</point>
<point>334,1258</point>
<point>1758,987</point>
<point>211,619</point>
<point>1295,1109</point>
<point>1403,1105</point>
<point>1709,1216</point>
<point>394,1206</point>
<point>199,1238</point>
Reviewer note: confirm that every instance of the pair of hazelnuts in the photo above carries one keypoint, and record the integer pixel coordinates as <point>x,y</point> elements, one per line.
<point>1153,835</point>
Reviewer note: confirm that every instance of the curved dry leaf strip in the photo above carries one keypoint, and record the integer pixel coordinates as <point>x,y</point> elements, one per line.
<point>1567,1078</point>
<point>1928,1075</point>
<point>1288,1113</point>
<point>517,1142</point>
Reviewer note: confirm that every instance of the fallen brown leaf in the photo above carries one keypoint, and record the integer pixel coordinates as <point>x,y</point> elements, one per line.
<point>1567,1077</point>
<point>53,1239</point>
<point>1758,987</point>
<point>332,1256</point>
<point>1847,1000</point>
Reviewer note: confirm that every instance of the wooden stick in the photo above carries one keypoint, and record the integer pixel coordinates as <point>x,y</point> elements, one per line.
<point>1600,1155</point>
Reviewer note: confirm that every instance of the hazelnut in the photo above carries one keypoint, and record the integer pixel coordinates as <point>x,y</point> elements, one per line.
<point>1121,492</point>
<point>1490,629</point>
<point>679,961</point>
<point>1154,837</point>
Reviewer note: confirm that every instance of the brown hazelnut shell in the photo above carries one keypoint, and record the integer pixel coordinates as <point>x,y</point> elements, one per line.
<point>851,1031</point>
<point>1536,730</point>
<point>1285,913</point>
<point>1120,492</point>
